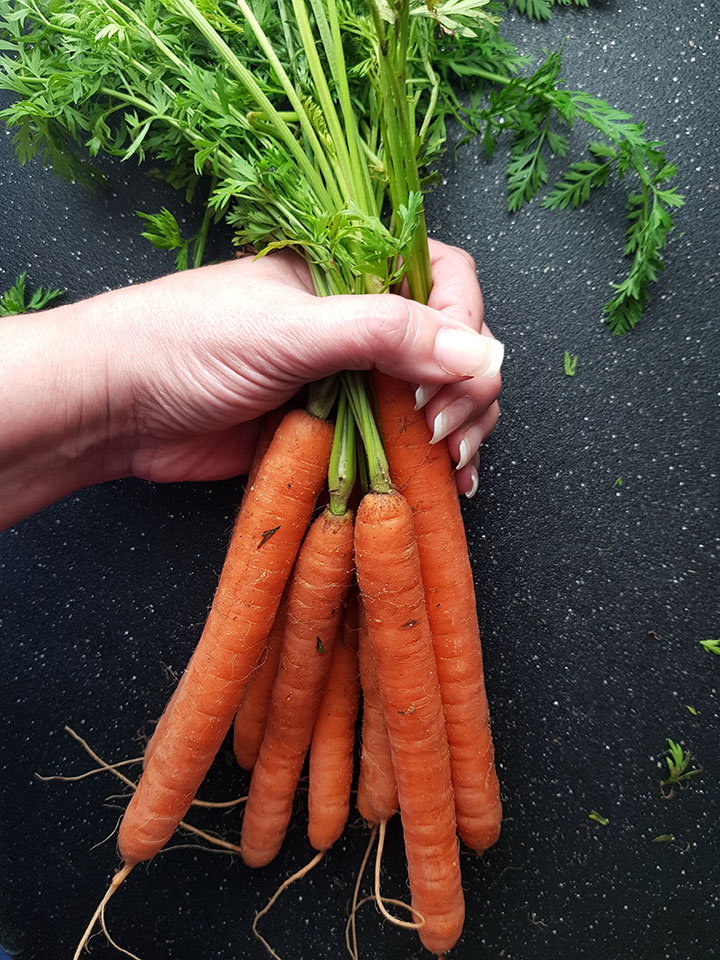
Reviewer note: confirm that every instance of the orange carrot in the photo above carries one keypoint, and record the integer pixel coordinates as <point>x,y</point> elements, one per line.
<point>250,720</point>
<point>333,739</point>
<point>263,547</point>
<point>270,423</point>
<point>315,604</point>
<point>377,798</point>
<point>161,726</point>
<point>424,475</point>
<point>388,571</point>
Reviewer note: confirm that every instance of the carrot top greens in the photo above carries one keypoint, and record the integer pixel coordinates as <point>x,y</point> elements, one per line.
<point>14,299</point>
<point>315,124</point>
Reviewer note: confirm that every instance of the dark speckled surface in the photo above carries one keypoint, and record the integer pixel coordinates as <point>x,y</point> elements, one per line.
<point>593,597</point>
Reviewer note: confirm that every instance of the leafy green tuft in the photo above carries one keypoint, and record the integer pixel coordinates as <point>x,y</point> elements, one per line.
<point>163,232</point>
<point>678,762</point>
<point>569,364</point>
<point>13,301</point>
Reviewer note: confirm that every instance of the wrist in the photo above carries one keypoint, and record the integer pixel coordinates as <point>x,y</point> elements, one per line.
<point>61,426</point>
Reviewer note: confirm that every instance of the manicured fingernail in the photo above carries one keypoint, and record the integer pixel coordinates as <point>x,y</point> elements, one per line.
<point>468,445</point>
<point>475,480</point>
<point>463,353</point>
<point>425,393</point>
<point>452,417</point>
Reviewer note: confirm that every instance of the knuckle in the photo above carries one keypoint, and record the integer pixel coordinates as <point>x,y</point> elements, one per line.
<point>393,324</point>
<point>466,257</point>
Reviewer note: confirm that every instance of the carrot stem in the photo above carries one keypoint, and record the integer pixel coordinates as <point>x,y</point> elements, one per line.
<point>342,472</point>
<point>322,396</point>
<point>378,469</point>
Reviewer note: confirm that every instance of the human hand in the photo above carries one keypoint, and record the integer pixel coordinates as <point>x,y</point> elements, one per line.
<point>204,353</point>
<point>166,380</point>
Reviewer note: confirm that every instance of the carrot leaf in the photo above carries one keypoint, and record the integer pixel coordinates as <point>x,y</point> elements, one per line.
<point>678,763</point>
<point>570,364</point>
<point>14,300</point>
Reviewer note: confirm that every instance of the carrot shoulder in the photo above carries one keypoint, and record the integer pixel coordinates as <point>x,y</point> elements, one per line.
<point>424,475</point>
<point>315,604</point>
<point>264,543</point>
<point>388,571</point>
<point>333,740</point>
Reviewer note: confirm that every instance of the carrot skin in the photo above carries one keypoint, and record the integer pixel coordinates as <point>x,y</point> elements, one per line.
<point>377,797</point>
<point>333,740</point>
<point>270,422</point>
<point>321,579</point>
<point>251,717</point>
<point>424,475</point>
<point>388,572</point>
<point>264,543</point>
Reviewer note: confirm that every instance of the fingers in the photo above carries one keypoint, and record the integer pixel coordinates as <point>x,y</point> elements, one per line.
<point>405,339</point>
<point>463,446</point>
<point>456,291</point>
<point>462,403</point>
<point>467,478</point>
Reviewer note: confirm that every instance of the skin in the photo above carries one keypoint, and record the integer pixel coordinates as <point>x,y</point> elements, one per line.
<point>166,380</point>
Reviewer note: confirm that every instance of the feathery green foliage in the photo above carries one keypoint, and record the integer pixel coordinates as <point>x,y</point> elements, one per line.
<point>303,118</point>
<point>678,763</point>
<point>13,300</point>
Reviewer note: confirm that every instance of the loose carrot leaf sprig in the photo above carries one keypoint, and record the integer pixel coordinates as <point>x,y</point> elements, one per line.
<point>542,9</point>
<point>13,301</point>
<point>711,646</point>
<point>570,363</point>
<point>678,763</point>
<point>533,108</point>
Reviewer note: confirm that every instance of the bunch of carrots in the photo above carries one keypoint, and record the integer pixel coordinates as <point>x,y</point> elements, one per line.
<point>309,613</point>
<point>304,118</point>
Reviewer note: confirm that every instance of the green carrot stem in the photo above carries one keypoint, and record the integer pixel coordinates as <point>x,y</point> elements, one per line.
<point>292,95</point>
<point>201,238</point>
<point>281,129</point>
<point>377,464</point>
<point>322,396</point>
<point>342,470</point>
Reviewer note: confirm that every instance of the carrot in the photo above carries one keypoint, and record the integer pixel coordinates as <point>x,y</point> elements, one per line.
<point>377,798</point>
<point>320,582</point>
<point>263,547</point>
<point>251,717</point>
<point>270,423</point>
<point>388,571</point>
<point>424,475</point>
<point>333,739</point>
<point>161,726</point>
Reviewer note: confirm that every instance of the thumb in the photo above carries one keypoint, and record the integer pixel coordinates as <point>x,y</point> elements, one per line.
<point>400,337</point>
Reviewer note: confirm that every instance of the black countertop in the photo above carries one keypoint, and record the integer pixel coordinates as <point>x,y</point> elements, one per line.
<point>593,596</point>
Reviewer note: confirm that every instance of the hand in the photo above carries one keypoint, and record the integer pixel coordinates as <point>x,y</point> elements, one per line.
<point>167,380</point>
<point>214,348</point>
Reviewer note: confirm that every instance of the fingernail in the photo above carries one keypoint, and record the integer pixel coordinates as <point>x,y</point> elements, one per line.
<point>475,479</point>
<point>463,353</point>
<point>468,445</point>
<point>452,417</point>
<point>425,393</point>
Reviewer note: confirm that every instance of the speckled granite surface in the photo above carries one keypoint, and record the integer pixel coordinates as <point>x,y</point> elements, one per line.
<point>593,597</point>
